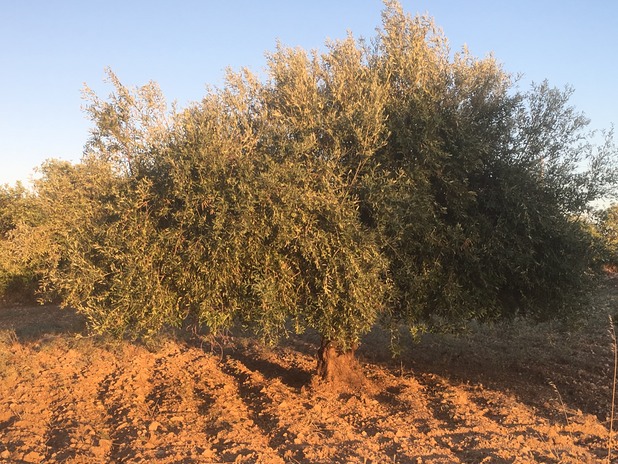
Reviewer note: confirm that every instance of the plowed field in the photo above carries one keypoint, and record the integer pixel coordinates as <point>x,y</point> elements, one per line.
<point>508,393</point>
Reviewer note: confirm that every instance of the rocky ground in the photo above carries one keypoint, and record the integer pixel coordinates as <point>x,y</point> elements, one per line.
<point>507,393</point>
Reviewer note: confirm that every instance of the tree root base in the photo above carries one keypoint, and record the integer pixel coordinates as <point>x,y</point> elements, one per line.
<point>339,368</point>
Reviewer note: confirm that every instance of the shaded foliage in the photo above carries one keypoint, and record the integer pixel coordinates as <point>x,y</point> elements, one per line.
<point>606,233</point>
<point>479,193</point>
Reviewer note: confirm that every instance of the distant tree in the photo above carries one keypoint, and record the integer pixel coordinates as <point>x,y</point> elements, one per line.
<point>607,230</point>
<point>19,268</point>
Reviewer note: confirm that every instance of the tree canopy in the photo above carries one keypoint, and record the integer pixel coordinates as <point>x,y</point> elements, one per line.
<point>379,180</point>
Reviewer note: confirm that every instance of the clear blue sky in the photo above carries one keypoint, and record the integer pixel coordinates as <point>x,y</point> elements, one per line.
<point>51,48</point>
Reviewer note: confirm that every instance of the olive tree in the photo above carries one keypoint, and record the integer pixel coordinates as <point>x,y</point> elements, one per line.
<point>376,181</point>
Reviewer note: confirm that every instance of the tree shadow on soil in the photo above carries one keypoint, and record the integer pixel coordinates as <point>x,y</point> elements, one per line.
<point>541,382</point>
<point>32,323</point>
<point>293,377</point>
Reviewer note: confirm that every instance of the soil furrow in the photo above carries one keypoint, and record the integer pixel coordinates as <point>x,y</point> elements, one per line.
<point>451,400</point>
<point>251,390</point>
<point>228,425</point>
<point>61,427</point>
<point>124,433</point>
<point>401,435</point>
<point>478,428</point>
<point>121,394</point>
<point>251,393</point>
<point>175,407</point>
<point>24,411</point>
<point>77,428</point>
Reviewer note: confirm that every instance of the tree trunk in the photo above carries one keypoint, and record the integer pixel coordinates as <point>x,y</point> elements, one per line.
<point>338,366</point>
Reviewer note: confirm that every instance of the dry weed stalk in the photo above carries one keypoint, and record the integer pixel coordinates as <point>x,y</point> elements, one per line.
<point>564,410</point>
<point>612,332</point>
<point>557,454</point>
